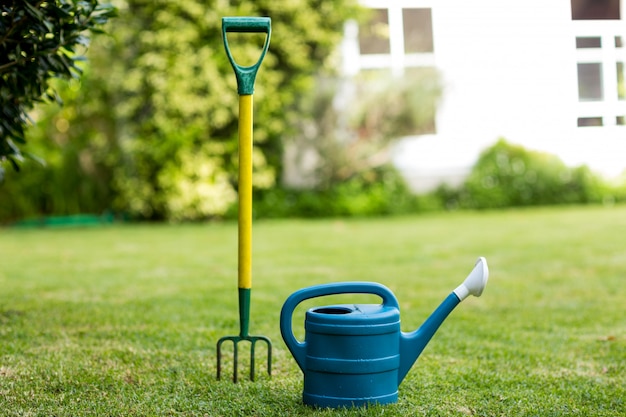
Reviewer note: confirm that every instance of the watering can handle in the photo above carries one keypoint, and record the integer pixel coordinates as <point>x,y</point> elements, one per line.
<point>297,348</point>
<point>246,75</point>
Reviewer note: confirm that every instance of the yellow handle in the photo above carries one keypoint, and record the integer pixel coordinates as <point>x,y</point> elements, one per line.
<point>245,191</point>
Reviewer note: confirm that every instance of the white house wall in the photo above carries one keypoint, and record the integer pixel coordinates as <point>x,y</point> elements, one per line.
<point>502,74</point>
<point>509,70</point>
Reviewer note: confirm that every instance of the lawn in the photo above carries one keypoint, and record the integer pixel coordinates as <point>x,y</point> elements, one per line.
<point>122,320</point>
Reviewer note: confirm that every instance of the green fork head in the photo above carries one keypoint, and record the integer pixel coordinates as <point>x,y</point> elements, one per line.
<point>236,340</point>
<point>244,324</point>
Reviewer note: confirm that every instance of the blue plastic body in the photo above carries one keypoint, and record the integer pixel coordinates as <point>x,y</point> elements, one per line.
<point>355,354</point>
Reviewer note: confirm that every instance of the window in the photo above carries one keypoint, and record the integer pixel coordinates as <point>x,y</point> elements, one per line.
<point>395,41</point>
<point>584,42</point>
<point>595,10</point>
<point>600,55</point>
<point>395,37</point>
<point>374,37</point>
<point>418,30</point>
<point>621,87</point>
<point>589,121</point>
<point>590,82</point>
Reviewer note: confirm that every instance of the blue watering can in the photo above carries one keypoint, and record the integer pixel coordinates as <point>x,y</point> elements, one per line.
<point>356,354</point>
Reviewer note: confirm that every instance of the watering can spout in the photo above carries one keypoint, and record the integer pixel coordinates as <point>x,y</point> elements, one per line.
<point>475,282</point>
<point>412,344</point>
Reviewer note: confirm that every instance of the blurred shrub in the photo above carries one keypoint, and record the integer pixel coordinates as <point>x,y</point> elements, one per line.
<point>615,191</point>
<point>388,107</point>
<point>178,97</point>
<point>72,140</point>
<point>345,131</point>
<point>154,121</point>
<point>508,175</point>
<point>377,191</point>
<point>40,41</point>
<point>345,126</point>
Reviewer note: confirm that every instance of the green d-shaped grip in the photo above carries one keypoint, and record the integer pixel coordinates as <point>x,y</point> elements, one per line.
<point>246,75</point>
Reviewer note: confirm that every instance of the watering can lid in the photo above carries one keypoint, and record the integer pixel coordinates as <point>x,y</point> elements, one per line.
<point>353,314</point>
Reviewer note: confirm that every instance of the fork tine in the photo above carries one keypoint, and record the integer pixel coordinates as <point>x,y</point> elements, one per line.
<point>236,339</point>
<point>269,357</point>
<point>269,353</point>
<point>252,343</point>
<point>235,360</point>
<point>219,358</point>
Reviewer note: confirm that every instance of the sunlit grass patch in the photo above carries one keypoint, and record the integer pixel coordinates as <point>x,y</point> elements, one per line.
<point>123,319</point>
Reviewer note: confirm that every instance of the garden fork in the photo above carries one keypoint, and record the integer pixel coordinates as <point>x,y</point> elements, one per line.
<point>245,88</point>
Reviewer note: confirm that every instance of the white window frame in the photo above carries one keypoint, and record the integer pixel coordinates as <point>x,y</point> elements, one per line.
<point>610,107</point>
<point>396,60</point>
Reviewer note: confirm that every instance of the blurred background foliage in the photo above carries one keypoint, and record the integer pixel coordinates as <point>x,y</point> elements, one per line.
<point>150,128</point>
<point>508,175</point>
<point>345,127</point>
<point>39,41</point>
<point>149,131</point>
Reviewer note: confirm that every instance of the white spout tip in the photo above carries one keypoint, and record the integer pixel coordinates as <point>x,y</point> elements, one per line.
<point>475,282</point>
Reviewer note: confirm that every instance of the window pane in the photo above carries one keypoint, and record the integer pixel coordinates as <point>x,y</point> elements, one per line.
<point>418,30</point>
<point>374,35</point>
<point>618,42</point>
<point>425,89</point>
<point>619,120</point>
<point>595,9</point>
<point>373,75</point>
<point>621,87</point>
<point>590,82</point>
<point>589,121</point>
<point>588,42</point>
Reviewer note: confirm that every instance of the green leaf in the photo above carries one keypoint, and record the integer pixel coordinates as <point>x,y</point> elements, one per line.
<point>13,162</point>
<point>33,11</point>
<point>30,57</point>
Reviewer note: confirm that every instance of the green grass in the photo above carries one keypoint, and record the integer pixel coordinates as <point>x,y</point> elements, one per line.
<point>122,320</point>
